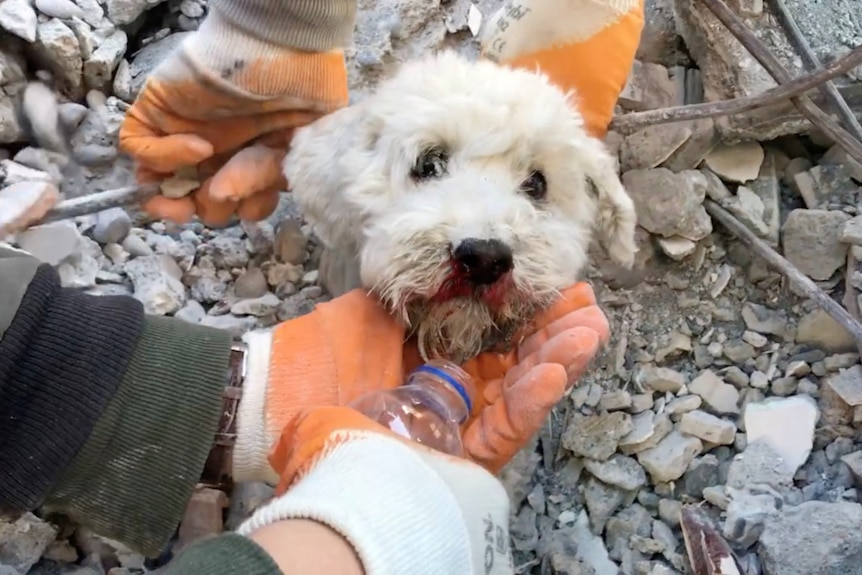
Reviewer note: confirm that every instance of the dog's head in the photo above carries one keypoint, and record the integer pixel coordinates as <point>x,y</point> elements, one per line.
<point>468,191</point>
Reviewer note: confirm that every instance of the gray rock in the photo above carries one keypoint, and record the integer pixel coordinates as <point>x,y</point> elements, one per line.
<point>99,67</point>
<point>670,204</point>
<point>620,471</point>
<point>817,328</point>
<point>747,512</point>
<point>19,18</point>
<point>112,226</point>
<point>812,241</point>
<point>719,396</point>
<point>52,242</point>
<point>22,543</point>
<point>148,57</point>
<point>156,283</point>
<point>62,9</point>
<point>661,379</point>
<point>250,284</point>
<point>597,436</point>
<point>58,45</point>
<point>814,537</point>
<point>668,460</point>
<point>259,307</point>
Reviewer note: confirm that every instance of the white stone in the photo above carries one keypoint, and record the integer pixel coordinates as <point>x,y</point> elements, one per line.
<point>63,9</point>
<point>19,18</point>
<point>786,425</point>
<point>719,396</point>
<point>668,460</point>
<point>51,243</point>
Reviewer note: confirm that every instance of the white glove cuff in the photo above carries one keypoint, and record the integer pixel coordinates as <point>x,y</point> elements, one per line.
<point>251,452</point>
<point>403,510</point>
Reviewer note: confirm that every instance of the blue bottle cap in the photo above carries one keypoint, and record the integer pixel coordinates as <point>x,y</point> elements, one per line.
<point>436,371</point>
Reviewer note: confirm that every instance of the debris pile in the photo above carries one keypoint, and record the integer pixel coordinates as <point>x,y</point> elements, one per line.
<point>723,424</point>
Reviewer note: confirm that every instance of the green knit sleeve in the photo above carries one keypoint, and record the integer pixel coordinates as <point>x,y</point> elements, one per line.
<point>227,554</point>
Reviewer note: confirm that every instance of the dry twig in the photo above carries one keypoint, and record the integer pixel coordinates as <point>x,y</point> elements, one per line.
<point>802,282</point>
<point>795,87</point>
<point>809,58</point>
<point>776,69</point>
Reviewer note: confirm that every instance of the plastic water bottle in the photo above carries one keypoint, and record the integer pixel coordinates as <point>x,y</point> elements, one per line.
<point>428,409</point>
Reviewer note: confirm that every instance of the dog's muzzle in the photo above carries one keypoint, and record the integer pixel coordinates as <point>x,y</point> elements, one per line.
<point>483,262</point>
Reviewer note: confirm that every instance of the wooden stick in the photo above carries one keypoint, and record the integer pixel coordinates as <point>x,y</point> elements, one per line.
<point>637,120</point>
<point>796,277</point>
<point>776,69</point>
<point>809,58</point>
<point>99,201</point>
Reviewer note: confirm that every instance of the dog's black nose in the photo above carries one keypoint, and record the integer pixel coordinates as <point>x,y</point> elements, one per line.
<point>484,261</point>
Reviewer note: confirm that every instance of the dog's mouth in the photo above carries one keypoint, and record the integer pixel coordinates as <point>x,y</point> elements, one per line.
<point>460,284</point>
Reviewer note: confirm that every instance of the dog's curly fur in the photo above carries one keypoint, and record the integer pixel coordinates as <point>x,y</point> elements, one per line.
<point>480,133</point>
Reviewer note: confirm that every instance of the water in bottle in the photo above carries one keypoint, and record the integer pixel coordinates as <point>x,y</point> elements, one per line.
<point>429,408</point>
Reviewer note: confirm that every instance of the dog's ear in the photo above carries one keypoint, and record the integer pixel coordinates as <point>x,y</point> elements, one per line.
<point>329,166</point>
<point>616,218</point>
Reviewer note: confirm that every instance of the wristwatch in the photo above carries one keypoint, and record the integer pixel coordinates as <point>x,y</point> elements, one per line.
<point>217,470</point>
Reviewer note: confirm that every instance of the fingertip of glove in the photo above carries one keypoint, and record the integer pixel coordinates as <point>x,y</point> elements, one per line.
<point>258,206</point>
<point>179,210</point>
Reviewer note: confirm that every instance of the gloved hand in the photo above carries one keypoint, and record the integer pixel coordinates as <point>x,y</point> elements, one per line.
<point>219,114</point>
<point>351,346</point>
<point>588,46</point>
<point>339,468</point>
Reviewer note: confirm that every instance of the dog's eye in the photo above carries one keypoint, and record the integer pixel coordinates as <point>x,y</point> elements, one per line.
<point>535,186</point>
<point>431,164</point>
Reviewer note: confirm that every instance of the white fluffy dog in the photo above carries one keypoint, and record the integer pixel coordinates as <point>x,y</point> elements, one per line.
<point>467,192</point>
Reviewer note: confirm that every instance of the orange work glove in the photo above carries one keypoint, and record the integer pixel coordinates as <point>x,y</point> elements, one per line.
<point>587,46</point>
<point>217,116</point>
<point>343,470</point>
<point>351,346</point>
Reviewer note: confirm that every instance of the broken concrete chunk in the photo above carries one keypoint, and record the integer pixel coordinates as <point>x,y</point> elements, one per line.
<point>812,241</point>
<point>817,328</point>
<point>597,436</point>
<point>23,541</point>
<point>814,537</point>
<point>739,163</point>
<point>620,471</point>
<point>669,204</point>
<point>661,379</point>
<point>668,460</point>
<point>719,396</point>
<point>708,427</point>
<point>786,425</point>
<point>651,146</point>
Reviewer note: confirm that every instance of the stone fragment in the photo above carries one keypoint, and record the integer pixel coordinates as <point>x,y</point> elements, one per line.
<point>661,379</point>
<point>19,18</point>
<point>157,284</point>
<point>817,328</point>
<point>719,396</point>
<point>620,471</point>
<point>758,464</point>
<point>762,319</point>
<point>786,425</point>
<point>739,163</point>
<point>854,462</point>
<point>112,226</point>
<point>601,502</point>
<point>648,429</point>
<point>748,209</point>
<point>677,248</point>
<point>651,146</point>
<point>52,242</point>
<point>648,87</point>
<point>290,243</point>
<point>62,9</point>
<point>767,187</point>
<point>250,284</point>
<point>847,384</point>
<point>58,45</point>
<point>851,233</point>
<point>597,436</point>
<point>259,307</point>
<point>813,537</point>
<point>704,137</point>
<point>668,460</point>
<point>812,241</point>
<point>670,204</point>
<point>99,67</point>
<point>202,518</point>
<point>22,542</point>
<point>614,400</point>
<point>747,512</point>
<point>25,201</point>
<point>708,427</point>
<point>837,155</point>
<point>825,184</point>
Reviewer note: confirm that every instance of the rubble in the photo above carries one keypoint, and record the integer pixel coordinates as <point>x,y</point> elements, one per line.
<point>721,387</point>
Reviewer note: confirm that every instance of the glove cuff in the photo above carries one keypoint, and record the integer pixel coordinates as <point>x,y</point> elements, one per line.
<point>304,25</point>
<point>238,63</point>
<point>374,490</point>
<point>253,443</point>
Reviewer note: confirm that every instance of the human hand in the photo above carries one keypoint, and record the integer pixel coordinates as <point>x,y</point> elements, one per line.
<point>351,346</point>
<point>216,117</point>
<point>339,468</point>
<point>517,390</point>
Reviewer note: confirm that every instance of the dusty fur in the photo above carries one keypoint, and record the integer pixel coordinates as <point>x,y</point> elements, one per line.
<point>353,174</point>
